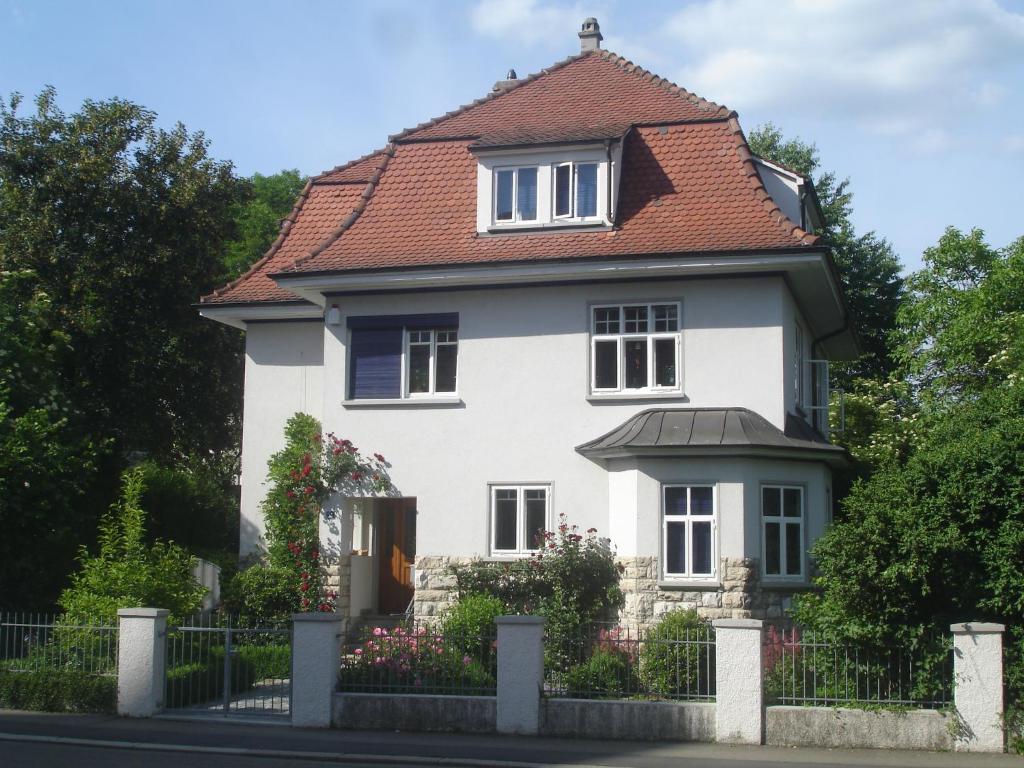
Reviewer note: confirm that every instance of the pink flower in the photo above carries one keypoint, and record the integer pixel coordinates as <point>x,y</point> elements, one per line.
<point>466,661</point>
<point>378,457</point>
<point>358,651</point>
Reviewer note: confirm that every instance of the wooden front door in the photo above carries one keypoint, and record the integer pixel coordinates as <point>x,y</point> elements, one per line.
<point>396,526</point>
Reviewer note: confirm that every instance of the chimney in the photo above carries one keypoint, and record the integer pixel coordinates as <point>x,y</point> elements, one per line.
<point>508,82</point>
<point>590,35</point>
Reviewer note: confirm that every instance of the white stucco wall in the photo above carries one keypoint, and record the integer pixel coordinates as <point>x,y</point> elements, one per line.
<point>283,375</point>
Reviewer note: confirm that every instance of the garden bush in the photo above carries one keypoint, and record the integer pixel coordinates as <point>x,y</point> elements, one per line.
<point>468,627</point>
<point>669,665</point>
<point>261,596</point>
<point>607,674</point>
<point>54,690</point>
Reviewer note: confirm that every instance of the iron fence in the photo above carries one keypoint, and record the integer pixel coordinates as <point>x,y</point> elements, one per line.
<point>216,666</point>
<point>34,642</point>
<point>615,662</point>
<point>807,668</point>
<point>421,657</point>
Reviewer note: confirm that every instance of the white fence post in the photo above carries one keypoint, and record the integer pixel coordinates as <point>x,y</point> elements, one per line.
<point>739,693</point>
<point>978,689</point>
<point>520,673</point>
<point>316,660</point>
<point>141,661</point>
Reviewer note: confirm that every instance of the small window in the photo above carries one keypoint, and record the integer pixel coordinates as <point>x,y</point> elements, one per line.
<point>515,194</point>
<point>782,523</point>
<point>575,194</point>
<point>635,348</point>
<point>689,541</point>
<point>519,517</point>
<point>432,358</point>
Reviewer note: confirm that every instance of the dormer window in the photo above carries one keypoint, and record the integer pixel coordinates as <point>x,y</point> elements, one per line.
<point>515,194</point>
<point>575,190</point>
<point>546,188</point>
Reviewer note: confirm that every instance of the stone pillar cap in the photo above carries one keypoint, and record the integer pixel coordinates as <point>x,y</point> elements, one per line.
<point>317,616</point>
<point>976,628</point>
<point>143,613</point>
<point>520,620</point>
<point>737,623</point>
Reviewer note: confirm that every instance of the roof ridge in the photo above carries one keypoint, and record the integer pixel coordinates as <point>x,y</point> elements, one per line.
<point>286,225</point>
<point>349,164</point>
<point>699,101</point>
<point>387,153</point>
<point>397,137</point>
<point>771,208</point>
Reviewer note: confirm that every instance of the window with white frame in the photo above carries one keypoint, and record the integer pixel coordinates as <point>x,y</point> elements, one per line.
<point>519,517</point>
<point>432,356</point>
<point>688,532</point>
<point>402,356</point>
<point>635,348</point>
<point>515,194</point>
<point>575,191</point>
<point>782,531</point>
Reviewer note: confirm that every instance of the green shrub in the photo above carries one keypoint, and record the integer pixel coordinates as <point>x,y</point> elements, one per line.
<point>671,666</point>
<point>607,674</point>
<point>468,627</point>
<point>261,595</point>
<point>58,691</point>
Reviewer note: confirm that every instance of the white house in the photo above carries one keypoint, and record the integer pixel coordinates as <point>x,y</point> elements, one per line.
<point>580,295</point>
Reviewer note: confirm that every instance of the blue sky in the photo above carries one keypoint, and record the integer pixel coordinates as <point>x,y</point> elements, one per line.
<point>919,102</point>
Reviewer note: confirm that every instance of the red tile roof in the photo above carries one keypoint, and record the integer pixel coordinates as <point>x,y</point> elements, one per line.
<point>688,183</point>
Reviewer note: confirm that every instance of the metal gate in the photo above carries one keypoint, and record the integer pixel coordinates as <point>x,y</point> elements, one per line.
<point>217,668</point>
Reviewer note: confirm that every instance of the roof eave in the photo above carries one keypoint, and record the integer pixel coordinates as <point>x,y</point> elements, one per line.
<point>834,456</point>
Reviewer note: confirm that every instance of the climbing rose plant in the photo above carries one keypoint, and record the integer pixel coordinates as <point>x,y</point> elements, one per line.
<point>304,476</point>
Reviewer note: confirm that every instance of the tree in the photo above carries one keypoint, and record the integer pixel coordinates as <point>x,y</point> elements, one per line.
<point>259,218</point>
<point>44,466</point>
<point>124,226</point>
<point>868,267</point>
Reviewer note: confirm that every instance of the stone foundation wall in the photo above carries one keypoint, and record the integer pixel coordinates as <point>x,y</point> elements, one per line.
<point>339,579</point>
<point>739,596</point>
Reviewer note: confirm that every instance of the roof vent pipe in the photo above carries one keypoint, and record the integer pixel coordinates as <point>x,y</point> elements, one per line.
<point>590,35</point>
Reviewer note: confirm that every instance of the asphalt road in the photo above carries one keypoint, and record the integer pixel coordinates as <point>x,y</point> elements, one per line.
<point>84,741</point>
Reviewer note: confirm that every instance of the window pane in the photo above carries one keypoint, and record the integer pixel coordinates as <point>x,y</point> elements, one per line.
<point>606,365</point>
<point>702,548</point>
<point>675,548</point>
<point>503,196</point>
<point>791,502</point>
<point>636,363</point>
<point>666,318</point>
<point>444,376</point>
<point>536,517</point>
<point>701,501</point>
<point>794,549</point>
<point>665,362</point>
<point>586,190</point>
<point>675,500</point>
<point>770,505</point>
<point>772,557</point>
<point>606,320</point>
<point>419,368</point>
<point>505,519</point>
<point>563,189</point>
<point>636,319</point>
<point>526,195</point>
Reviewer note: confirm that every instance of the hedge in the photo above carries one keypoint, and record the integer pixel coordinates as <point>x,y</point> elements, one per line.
<point>53,690</point>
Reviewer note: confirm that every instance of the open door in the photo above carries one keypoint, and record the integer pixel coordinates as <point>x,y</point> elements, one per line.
<point>396,537</point>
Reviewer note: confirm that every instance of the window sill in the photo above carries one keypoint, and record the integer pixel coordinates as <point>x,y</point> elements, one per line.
<point>689,585</point>
<point>534,227</point>
<point>785,585</point>
<point>406,402</point>
<point>620,397</point>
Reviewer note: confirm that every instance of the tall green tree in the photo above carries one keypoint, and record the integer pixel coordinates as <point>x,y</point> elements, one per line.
<point>258,219</point>
<point>868,267</point>
<point>124,225</point>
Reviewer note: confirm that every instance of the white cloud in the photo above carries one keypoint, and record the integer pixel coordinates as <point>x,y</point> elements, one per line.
<point>529,21</point>
<point>905,67</point>
<point>1014,142</point>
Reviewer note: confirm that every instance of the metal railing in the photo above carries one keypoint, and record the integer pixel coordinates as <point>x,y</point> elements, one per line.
<point>217,667</point>
<point>419,657</point>
<point>33,642</point>
<point>807,668</point>
<point>614,662</point>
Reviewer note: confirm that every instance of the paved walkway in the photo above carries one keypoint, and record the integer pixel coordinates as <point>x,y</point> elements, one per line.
<point>46,739</point>
<point>268,697</point>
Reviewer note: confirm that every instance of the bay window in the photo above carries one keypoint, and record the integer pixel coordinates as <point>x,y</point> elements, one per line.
<point>635,348</point>
<point>688,534</point>
<point>782,524</point>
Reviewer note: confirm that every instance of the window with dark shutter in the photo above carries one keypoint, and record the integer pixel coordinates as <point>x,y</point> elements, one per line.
<point>375,364</point>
